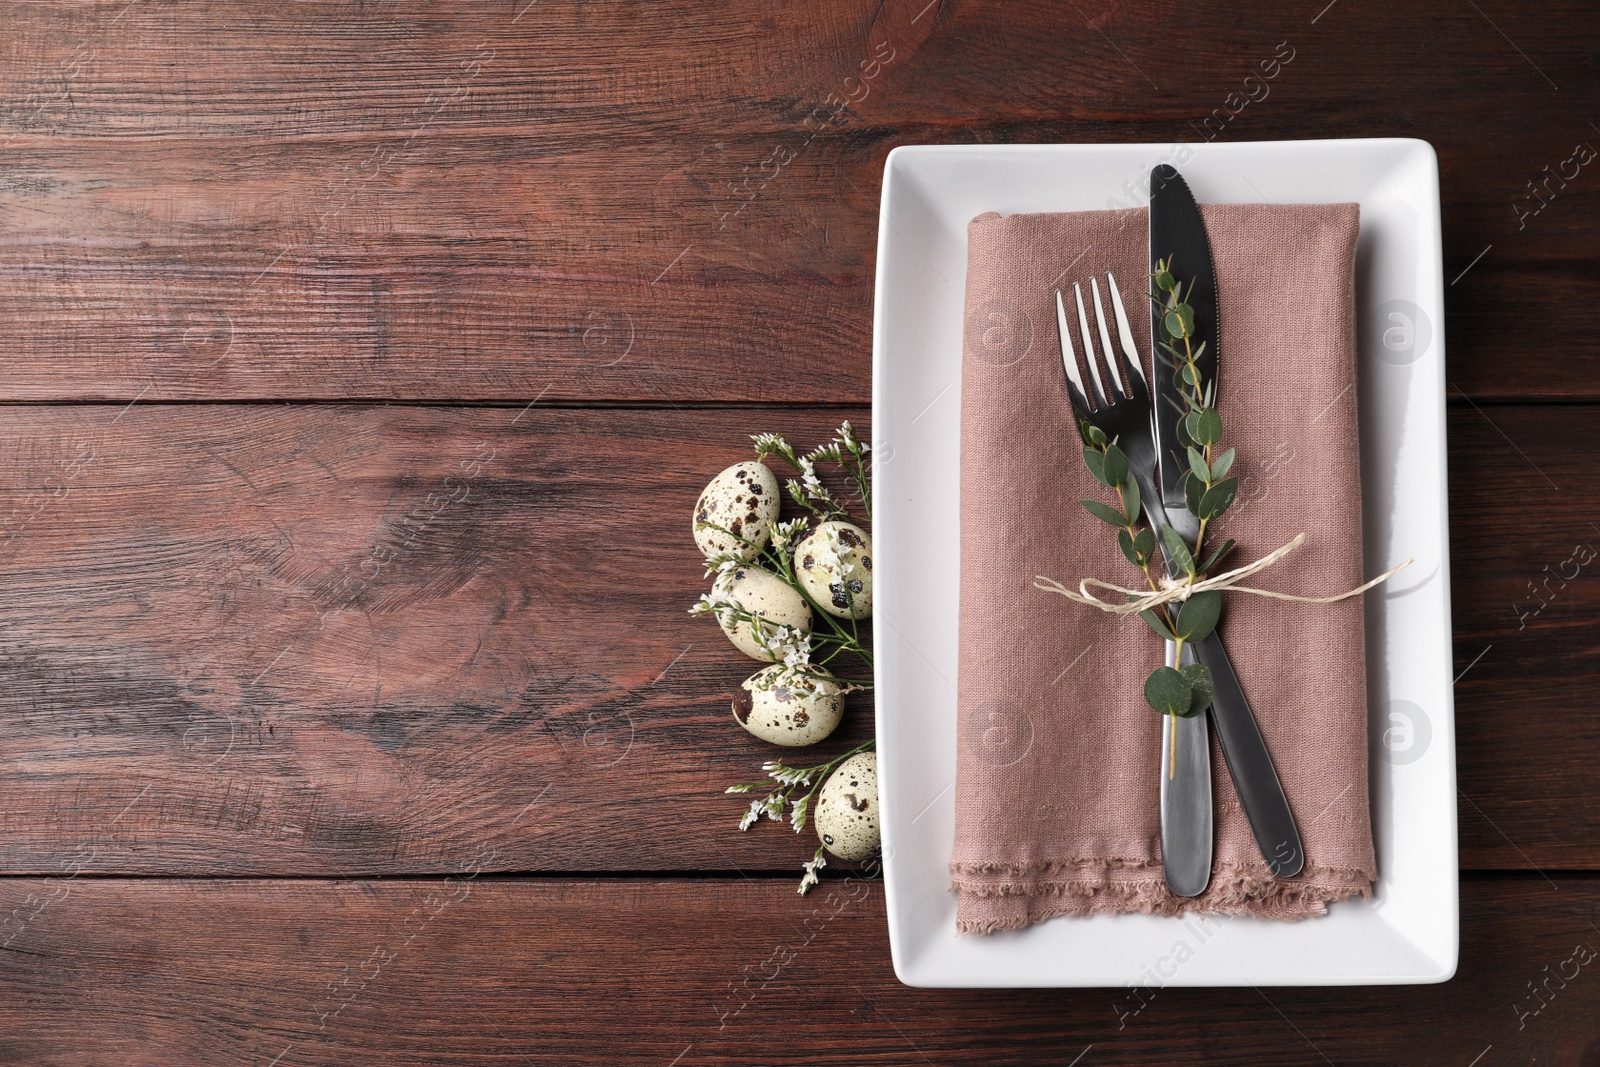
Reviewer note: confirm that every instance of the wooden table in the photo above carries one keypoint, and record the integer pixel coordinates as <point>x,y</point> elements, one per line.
<point>362,362</point>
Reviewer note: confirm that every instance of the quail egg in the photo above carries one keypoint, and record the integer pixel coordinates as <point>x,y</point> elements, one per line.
<point>834,564</point>
<point>846,817</point>
<point>743,500</point>
<point>762,593</point>
<point>788,710</point>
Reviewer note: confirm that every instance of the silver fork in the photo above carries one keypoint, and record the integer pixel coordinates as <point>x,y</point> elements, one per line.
<point>1124,413</point>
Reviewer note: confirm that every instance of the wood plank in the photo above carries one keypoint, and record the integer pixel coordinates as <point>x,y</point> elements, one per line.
<point>1525,597</point>
<point>467,201</point>
<point>353,640</point>
<point>270,639</point>
<point>693,972</point>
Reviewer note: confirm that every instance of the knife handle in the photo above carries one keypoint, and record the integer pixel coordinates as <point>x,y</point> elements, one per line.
<point>1186,821</point>
<point>1250,765</point>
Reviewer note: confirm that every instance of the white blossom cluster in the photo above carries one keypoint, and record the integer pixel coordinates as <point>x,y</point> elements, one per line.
<point>809,879</point>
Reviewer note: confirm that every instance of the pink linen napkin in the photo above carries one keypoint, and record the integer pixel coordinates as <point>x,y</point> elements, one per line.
<point>1057,787</point>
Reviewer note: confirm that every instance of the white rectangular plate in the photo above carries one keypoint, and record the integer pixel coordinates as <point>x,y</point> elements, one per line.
<point>1408,932</point>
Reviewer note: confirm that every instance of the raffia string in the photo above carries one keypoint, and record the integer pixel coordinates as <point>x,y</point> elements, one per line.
<point>1181,589</point>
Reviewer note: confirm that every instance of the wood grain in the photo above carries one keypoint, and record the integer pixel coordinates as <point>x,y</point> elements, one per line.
<point>638,202</point>
<point>362,640</point>
<point>470,971</point>
<point>1525,597</point>
<point>345,639</point>
<point>284,640</point>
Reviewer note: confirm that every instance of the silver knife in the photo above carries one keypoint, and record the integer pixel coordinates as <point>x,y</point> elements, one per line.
<point>1177,232</point>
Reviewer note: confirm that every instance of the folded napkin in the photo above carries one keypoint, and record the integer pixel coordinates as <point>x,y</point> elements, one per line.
<point>1057,787</point>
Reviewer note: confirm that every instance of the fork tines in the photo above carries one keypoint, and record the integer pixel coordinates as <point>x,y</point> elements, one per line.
<point>1124,369</point>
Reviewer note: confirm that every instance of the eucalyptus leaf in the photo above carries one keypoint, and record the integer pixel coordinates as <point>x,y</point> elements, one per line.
<point>1180,320</point>
<point>1116,466</point>
<point>1222,464</point>
<point>1095,460</point>
<point>1217,499</point>
<point>1125,541</point>
<point>1095,434</point>
<point>1158,625</point>
<point>1177,551</point>
<point>1104,512</point>
<point>1208,427</point>
<point>1197,464</point>
<point>1173,323</point>
<point>1201,688</point>
<point>1168,691</point>
<point>1164,280</point>
<point>1145,544</point>
<point>1198,616</point>
<point>1193,490</point>
<point>1211,561</point>
<point>1130,500</point>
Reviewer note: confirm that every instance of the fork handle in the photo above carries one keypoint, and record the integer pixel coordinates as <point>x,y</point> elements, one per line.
<point>1244,750</point>
<point>1255,778</point>
<point>1187,820</point>
<point>1186,811</point>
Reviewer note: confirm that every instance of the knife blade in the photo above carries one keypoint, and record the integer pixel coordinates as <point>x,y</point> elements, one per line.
<point>1178,234</point>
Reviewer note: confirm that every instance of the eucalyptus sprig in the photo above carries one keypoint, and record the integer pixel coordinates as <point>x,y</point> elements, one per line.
<point>1172,690</point>
<point>1175,688</point>
<point>1208,491</point>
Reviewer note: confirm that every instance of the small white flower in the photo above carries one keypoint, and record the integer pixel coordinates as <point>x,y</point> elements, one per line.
<point>833,450</point>
<point>834,556</point>
<point>808,478</point>
<point>784,644</point>
<point>785,534</point>
<point>722,563</point>
<point>752,814</point>
<point>809,879</point>
<point>785,775</point>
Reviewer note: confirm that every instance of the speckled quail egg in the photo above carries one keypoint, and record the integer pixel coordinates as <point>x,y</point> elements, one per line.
<point>743,499</point>
<point>847,808</point>
<point>760,593</point>
<point>834,563</point>
<point>790,711</point>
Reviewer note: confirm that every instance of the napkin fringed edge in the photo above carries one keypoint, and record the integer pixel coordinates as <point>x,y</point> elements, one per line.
<point>1236,889</point>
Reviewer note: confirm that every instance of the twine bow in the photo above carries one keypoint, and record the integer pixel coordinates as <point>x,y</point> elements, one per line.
<point>1181,589</point>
